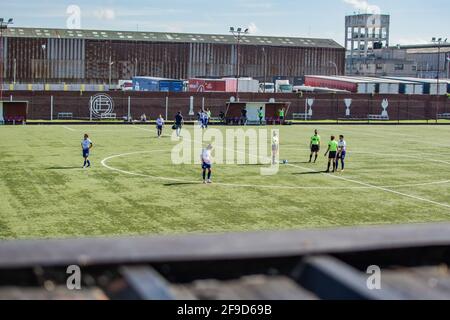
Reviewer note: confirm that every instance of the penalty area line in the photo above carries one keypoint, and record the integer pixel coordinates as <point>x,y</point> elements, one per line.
<point>368,185</point>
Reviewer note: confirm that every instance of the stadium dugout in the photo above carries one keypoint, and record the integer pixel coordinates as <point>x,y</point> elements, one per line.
<point>233,114</point>
<point>13,112</point>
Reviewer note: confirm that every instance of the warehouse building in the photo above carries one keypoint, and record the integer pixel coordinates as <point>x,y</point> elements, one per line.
<point>32,55</point>
<point>431,59</point>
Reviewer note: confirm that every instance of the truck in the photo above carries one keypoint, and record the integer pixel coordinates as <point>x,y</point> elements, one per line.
<point>157,84</point>
<point>207,85</point>
<point>248,85</point>
<point>223,85</point>
<point>125,85</point>
<point>267,87</point>
<point>283,86</point>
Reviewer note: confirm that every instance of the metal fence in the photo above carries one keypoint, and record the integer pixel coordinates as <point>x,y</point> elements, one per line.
<point>101,106</point>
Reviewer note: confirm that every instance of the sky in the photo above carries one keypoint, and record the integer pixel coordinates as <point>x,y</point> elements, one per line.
<point>412,21</point>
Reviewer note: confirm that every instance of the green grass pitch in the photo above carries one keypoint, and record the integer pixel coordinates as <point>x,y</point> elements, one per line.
<point>395,174</point>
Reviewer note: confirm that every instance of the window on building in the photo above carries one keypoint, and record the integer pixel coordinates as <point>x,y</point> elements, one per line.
<point>414,68</point>
<point>379,66</point>
<point>399,66</point>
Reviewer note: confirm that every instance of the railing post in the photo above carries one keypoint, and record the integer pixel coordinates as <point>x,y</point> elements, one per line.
<point>167,107</point>
<point>51,108</point>
<point>90,109</point>
<point>129,108</point>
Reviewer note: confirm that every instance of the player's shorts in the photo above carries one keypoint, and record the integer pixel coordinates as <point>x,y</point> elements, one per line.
<point>206,165</point>
<point>85,153</point>
<point>275,147</point>
<point>342,155</point>
<point>332,155</point>
<point>159,127</point>
<point>315,148</point>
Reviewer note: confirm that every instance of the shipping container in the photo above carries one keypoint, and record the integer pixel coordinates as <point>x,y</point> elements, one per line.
<point>430,86</point>
<point>393,86</point>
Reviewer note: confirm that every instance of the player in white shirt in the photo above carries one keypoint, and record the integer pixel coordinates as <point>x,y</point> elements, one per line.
<point>206,163</point>
<point>159,125</point>
<point>275,147</point>
<point>86,145</point>
<point>342,152</point>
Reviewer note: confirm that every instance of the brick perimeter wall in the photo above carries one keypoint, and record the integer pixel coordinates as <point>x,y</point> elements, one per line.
<point>325,106</point>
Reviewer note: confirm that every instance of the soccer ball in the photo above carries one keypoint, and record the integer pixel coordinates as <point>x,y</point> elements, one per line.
<point>285,162</point>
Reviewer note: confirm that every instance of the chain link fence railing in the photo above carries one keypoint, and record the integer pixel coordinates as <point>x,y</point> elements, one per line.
<point>123,106</point>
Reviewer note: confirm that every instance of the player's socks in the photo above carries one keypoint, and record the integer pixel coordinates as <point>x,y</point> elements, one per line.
<point>204,175</point>
<point>84,165</point>
<point>343,164</point>
<point>315,159</point>
<point>310,158</point>
<point>209,175</point>
<point>328,168</point>
<point>89,163</point>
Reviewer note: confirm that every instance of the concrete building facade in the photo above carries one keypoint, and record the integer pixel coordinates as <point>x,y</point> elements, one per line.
<point>364,33</point>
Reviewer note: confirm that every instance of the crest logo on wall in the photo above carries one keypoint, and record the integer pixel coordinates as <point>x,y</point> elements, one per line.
<point>101,104</point>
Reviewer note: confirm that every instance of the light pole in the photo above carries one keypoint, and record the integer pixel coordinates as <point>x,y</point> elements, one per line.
<point>265,68</point>
<point>44,63</point>
<point>439,42</point>
<point>3,26</point>
<point>335,66</point>
<point>448,65</point>
<point>238,33</point>
<point>111,63</point>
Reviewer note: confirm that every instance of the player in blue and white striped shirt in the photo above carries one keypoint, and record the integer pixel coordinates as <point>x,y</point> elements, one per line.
<point>342,152</point>
<point>86,145</point>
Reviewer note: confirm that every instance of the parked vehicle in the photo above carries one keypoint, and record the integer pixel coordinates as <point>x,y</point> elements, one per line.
<point>223,85</point>
<point>207,85</point>
<point>267,87</point>
<point>125,85</point>
<point>283,86</point>
<point>157,84</point>
<point>248,85</point>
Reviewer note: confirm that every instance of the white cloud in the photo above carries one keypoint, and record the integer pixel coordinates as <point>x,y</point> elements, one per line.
<point>252,28</point>
<point>105,14</point>
<point>364,6</point>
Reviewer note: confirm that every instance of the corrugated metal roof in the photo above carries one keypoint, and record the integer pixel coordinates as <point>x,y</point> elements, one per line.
<point>168,37</point>
<point>421,46</point>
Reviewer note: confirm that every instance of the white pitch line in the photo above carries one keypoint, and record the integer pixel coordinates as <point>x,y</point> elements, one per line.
<point>66,127</point>
<point>104,163</point>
